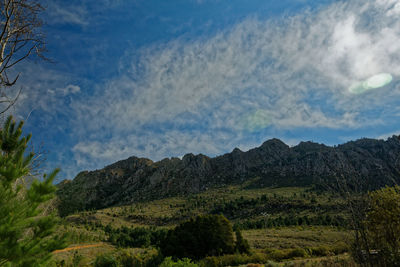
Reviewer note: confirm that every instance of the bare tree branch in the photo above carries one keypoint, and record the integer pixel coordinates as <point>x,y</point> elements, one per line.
<point>21,37</point>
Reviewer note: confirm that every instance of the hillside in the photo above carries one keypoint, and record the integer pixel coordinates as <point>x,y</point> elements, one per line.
<point>368,161</point>
<point>277,222</point>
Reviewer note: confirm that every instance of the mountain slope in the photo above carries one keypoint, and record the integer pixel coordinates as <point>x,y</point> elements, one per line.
<point>374,162</point>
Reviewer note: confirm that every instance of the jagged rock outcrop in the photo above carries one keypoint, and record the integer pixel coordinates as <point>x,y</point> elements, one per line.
<point>371,162</point>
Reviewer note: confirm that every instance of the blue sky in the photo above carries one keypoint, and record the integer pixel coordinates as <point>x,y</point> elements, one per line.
<point>161,79</point>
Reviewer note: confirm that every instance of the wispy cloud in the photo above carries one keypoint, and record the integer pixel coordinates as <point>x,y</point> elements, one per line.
<point>67,14</point>
<point>81,13</point>
<point>232,89</point>
<point>297,69</point>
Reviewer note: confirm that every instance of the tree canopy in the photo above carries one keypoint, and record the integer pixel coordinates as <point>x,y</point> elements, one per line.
<point>383,224</point>
<point>208,235</point>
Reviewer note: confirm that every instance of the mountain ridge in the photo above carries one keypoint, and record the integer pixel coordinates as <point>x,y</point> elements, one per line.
<point>274,163</point>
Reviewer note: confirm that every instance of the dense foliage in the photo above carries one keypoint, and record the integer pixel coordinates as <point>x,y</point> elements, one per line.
<point>168,262</point>
<point>128,258</point>
<point>382,229</point>
<point>105,260</point>
<point>135,237</point>
<point>293,220</point>
<point>26,221</point>
<point>207,235</point>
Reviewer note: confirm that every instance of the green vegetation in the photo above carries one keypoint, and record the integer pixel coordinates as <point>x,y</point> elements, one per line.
<point>270,225</point>
<point>245,208</point>
<point>27,222</point>
<point>208,235</point>
<point>383,224</point>
<point>168,262</point>
<point>145,225</point>
<point>135,237</point>
<point>106,260</point>
<point>297,237</point>
<point>377,239</point>
<point>241,245</point>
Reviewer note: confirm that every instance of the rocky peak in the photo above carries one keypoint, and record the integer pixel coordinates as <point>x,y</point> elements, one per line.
<point>131,163</point>
<point>273,164</point>
<point>236,151</point>
<point>274,144</point>
<point>310,147</point>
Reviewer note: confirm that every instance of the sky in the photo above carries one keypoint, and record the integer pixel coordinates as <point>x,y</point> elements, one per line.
<point>157,79</point>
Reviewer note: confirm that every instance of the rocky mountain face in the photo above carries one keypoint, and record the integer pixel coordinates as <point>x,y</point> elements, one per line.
<point>366,161</point>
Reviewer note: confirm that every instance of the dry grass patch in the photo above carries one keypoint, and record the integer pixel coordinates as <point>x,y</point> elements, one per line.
<point>295,237</point>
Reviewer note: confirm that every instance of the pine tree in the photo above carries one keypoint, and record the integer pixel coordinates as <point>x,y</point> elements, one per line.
<point>26,227</point>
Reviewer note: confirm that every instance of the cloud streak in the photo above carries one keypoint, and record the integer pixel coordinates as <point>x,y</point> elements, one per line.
<point>297,70</point>
<point>80,13</point>
<point>280,74</point>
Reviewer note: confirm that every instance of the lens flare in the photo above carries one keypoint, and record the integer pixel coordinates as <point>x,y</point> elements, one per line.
<point>255,121</point>
<point>373,82</point>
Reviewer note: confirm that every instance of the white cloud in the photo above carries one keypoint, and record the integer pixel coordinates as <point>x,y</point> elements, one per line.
<point>81,13</point>
<point>43,89</point>
<point>172,143</point>
<point>192,96</point>
<point>69,89</point>
<point>298,68</point>
<point>67,14</point>
<point>385,136</point>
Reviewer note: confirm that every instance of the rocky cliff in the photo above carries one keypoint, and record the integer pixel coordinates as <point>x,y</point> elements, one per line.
<point>371,162</point>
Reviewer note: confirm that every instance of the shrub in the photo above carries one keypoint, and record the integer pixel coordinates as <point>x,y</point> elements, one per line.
<point>105,260</point>
<point>233,260</point>
<point>340,248</point>
<point>297,253</point>
<point>168,262</point>
<point>278,255</point>
<point>241,245</point>
<point>147,259</point>
<point>135,237</point>
<point>319,251</point>
<point>208,235</point>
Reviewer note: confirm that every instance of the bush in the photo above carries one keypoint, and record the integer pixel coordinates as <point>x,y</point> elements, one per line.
<point>241,246</point>
<point>135,237</point>
<point>276,254</point>
<point>297,253</point>
<point>147,259</point>
<point>209,235</point>
<point>340,248</point>
<point>319,251</point>
<point>105,260</point>
<point>284,254</point>
<point>233,260</point>
<point>168,262</point>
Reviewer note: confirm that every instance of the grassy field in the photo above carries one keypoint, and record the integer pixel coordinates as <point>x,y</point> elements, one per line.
<point>261,241</point>
<point>85,254</point>
<point>244,204</point>
<point>296,237</point>
<point>343,260</point>
<point>80,255</point>
<point>238,204</point>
